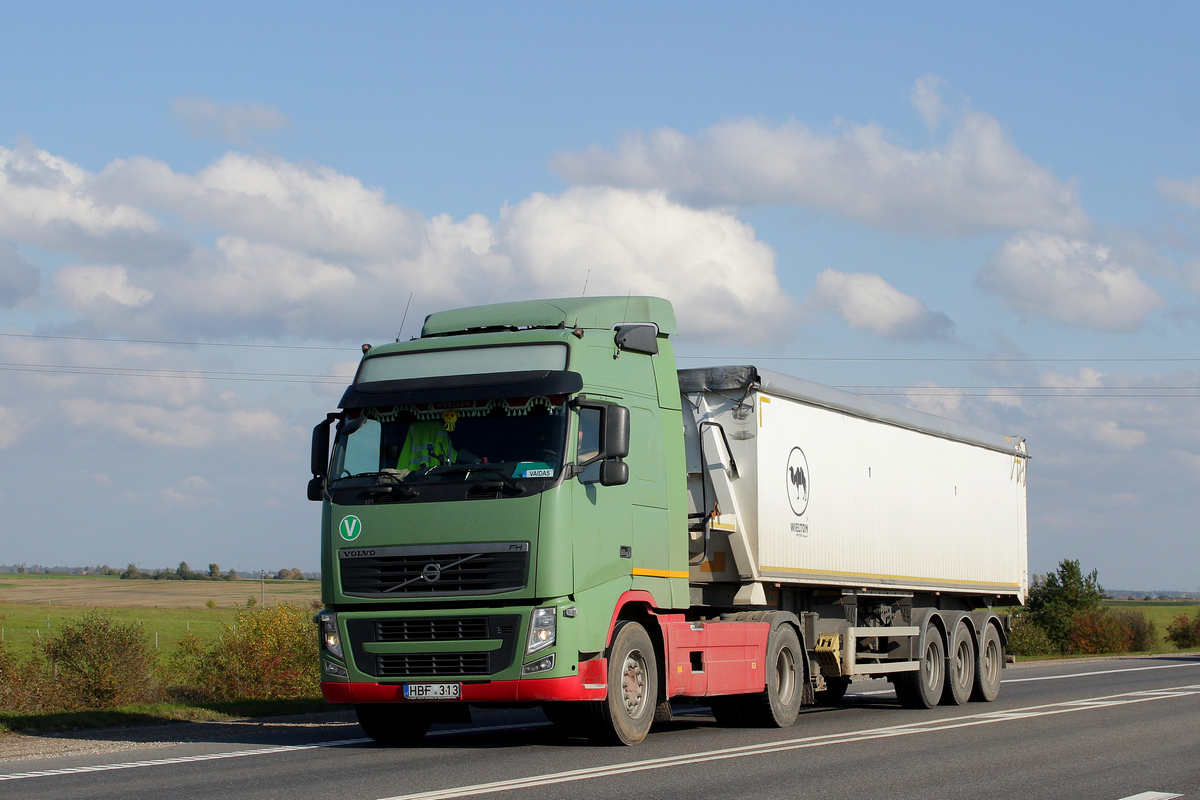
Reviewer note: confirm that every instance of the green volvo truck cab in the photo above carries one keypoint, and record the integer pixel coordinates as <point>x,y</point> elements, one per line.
<point>499,497</point>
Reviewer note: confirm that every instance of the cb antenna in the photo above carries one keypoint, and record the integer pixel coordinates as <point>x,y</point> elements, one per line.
<point>405,317</point>
<point>581,294</point>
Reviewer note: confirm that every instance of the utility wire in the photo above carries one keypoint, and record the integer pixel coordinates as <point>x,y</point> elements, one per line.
<point>185,344</point>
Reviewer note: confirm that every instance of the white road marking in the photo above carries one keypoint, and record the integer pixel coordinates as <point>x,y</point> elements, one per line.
<point>1053,677</point>
<point>932,726</point>
<point>1152,796</point>
<point>261,751</point>
<point>1100,672</point>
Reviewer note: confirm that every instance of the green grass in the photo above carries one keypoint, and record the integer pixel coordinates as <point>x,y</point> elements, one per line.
<point>157,714</point>
<point>23,624</point>
<point>1161,612</point>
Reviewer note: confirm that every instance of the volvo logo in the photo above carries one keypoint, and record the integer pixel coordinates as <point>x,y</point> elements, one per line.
<point>431,573</point>
<point>797,481</point>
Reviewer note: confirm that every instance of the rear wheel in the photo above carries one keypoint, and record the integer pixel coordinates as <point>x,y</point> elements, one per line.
<point>960,678</point>
<point>923,688</point>
<point>394,723</point>
<point>625,716</point>
<point>779,703</point>
<point>987,668</point>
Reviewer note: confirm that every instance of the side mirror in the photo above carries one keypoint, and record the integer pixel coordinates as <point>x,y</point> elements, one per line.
<point>316,488</point>
<point>616,432</point>
<point>614,473</point>
<point>320,457</point>
<point>638,338</point>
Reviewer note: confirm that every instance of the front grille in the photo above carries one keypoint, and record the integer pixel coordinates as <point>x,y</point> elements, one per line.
<point>438,629</point>
<point>479,630</point>
<point>403,665</point>
<point>441,570</point>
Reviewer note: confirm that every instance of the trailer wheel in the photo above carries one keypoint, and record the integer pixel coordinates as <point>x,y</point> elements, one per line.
<point>987,668</point>
<point>923,688</point>
<point>625,716</point>
<point>960,677</point>
<point>393,723</point>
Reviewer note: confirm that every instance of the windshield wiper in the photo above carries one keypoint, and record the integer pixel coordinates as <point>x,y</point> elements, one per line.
<point>389,482</point>
<point>505,479</point>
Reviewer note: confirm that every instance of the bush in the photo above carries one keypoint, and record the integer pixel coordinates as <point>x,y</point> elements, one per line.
<point>1140,632</point>
<point>1027,638</point>
<point>1055,600</point>
<point>1184,633</point>
<point>99,662</point>
<point>268,654</point>
<point>24,687</point>
<point>1095,631</point>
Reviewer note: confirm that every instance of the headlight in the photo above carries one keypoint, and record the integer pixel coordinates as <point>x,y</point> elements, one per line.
<point>543,623</point>
<point>329,633</point>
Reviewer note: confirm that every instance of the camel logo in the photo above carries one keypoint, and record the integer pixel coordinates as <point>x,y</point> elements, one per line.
<point>797,481</point>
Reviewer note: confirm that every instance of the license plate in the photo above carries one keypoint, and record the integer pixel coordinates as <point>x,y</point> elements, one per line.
<point>432,691</point>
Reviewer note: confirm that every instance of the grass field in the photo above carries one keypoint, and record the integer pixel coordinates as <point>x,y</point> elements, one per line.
<point>33,606</point>
<point>1161,612</point>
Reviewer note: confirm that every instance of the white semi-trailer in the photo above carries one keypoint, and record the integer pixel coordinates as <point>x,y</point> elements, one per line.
<point>530,504</point>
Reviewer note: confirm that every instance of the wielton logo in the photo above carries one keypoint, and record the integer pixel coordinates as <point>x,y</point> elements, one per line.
<point>350,528</point>
<point>797,481</point>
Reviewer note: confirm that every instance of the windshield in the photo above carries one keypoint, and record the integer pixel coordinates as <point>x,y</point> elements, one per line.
<point>452,442</point>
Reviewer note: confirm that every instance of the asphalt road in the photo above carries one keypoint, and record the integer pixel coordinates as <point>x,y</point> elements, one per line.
<point>1100,730</point>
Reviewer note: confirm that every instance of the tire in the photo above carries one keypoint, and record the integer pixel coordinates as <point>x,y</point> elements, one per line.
<point>777,705</point>
<point>960,666</point>
<point>394,724</point>
<point>923,688</point>
<point>834,691</point>
<point>990,660</point>
<point>625,716</point>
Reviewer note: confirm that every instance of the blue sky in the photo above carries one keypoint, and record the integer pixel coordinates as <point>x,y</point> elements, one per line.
<point>991,213</point>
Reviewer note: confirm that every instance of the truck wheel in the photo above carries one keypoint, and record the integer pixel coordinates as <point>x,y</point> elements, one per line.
<point>625,716</point>
<point>394,723</point>
<point>923,688</point>
<point>987,668</point>
<point>960,677</point>
<point>779,703</point>
<point>834,691</point>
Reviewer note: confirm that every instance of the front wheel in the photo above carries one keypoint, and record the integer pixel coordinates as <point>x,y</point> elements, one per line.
<point>625,716</point>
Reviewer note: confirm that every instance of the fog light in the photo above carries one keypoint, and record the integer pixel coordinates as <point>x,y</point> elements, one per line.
<point>336,670</point>
<point>329,633</point>
<point>541,665</point>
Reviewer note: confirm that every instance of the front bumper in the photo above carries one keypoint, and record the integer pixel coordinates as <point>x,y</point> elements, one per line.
<point>591,683</point>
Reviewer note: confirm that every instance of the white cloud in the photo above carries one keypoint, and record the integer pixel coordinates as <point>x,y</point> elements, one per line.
<point>190,427</point>
<point>11,427</point>
<point>305,249</point>
<point>868,301</point>
<point>231,122</point>
<point>18,278</point>
<point>928,102</point>
<point>85,285</point>
<point>48,201</point>
<point>1070,281</point>
<point>976,181</point>
<point>1180,191</point>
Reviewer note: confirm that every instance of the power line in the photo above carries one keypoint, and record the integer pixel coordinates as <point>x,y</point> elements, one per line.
<point>752,359</point>
<point>185,344</point>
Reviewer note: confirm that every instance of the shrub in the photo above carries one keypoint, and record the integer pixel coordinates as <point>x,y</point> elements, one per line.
<point>1140,632</point>
<point>268,654</point>
<point>1055,599</point>
<point>1094,631</point>
<point>99,662</point>
<point>1184,633</point>
<point>24,686</point>
<point>1027,638</point>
